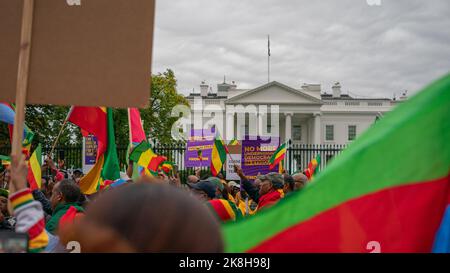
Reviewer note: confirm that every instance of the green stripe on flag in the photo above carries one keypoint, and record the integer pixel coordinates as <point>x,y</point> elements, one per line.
<point>409,145</point>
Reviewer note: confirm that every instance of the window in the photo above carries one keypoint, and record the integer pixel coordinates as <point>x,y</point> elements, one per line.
<point>351,132</point>
<point>297,133</point>
<point>329,132</point>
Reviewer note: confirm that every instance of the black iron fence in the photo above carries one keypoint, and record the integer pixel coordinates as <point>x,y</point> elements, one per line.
<point>297,157</point>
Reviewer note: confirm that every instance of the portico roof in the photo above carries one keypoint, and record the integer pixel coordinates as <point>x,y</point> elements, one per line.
<point>274,93</point>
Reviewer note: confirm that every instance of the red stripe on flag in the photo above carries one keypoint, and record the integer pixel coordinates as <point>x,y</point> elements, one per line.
<point>401,219</point>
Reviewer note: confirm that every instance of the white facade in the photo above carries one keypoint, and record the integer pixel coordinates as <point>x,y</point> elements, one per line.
<point>304,115</point>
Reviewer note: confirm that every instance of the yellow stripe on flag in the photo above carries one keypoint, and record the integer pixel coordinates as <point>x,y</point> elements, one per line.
<point>228,208</point>
<point>146,158</point>
<point>89,182</point>
<point>36,170</point>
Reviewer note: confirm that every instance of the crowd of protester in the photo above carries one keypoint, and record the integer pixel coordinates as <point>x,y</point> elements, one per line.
<point>147,214</point>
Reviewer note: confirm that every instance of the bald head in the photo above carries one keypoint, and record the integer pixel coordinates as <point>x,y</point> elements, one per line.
<point>300,181</point>
<point>192,179</point>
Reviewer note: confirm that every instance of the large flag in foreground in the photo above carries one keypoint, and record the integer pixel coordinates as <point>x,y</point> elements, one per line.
<point>390,186</point>
<point>98,121</point>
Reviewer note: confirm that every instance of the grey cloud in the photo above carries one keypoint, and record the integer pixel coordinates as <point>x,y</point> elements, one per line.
<point>372,51</point>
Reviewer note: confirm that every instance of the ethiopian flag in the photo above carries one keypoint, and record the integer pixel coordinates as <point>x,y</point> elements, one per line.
<point>167,166</point>
<point>5,160</point>
<point>144,156</point>
<point>313,167</point>
<point>34,176</point>
<point>277,156</point>
<point>98,121</point>
<point>218,155</point>
<point>390,188</point>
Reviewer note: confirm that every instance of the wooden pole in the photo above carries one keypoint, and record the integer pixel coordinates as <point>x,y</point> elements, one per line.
<point>22,75</point>
<point>22,79</point>
<point>57,138</point>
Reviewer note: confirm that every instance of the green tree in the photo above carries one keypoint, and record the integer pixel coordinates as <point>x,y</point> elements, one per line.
<point>46,121</point>
<point>164,96</point>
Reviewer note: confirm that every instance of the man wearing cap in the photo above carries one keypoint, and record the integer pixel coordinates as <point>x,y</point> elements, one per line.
<point>268,193</point>
<point>203,190</point>
<point>207,191</point>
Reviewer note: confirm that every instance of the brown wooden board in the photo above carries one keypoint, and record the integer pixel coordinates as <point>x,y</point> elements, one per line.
<point>94,54</point>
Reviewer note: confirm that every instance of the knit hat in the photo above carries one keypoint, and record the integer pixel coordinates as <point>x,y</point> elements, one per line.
<point>224,209</point>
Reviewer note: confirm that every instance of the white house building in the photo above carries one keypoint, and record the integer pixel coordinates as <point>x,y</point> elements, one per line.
<point>305,115</point>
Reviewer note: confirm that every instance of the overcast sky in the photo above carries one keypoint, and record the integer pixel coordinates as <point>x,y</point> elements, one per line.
<point>372,50</point>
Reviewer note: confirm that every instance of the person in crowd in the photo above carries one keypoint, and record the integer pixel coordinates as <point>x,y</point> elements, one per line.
<point>219,187</point>
<point>38,195</point>
<point>65,194</point>
<point>289,184</point>
<point>300,181</point>
<point>203,190</point>
<point>6,221</point>
<point>28,212</point>
<point>138,223</point>
<point>77,175</point>
<point>5,177</point>
<point>192,179</point>
<point>268,193</point>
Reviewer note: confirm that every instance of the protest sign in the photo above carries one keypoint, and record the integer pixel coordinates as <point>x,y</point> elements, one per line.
<point>234,158</point>
<point>89,153</point>
<point>256,154</point>
<point>199,148</point>
<point>89,53</point>
<point>97,53</point>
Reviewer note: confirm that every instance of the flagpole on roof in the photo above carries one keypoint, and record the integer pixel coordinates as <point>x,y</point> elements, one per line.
<point>268,58</point>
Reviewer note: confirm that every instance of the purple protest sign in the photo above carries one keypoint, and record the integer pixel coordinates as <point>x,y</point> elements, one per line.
<point>199,148</point>
<point>256,153</point>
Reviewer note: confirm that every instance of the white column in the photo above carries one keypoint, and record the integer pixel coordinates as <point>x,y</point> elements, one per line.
<point>261,124</point>
<point>230,126</point>
<point>288,126</point>
<point>316,134</point>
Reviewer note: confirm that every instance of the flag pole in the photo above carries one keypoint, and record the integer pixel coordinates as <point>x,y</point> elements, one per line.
<point>268,58</point>
<point>60,132</point>
<point>22,79</point>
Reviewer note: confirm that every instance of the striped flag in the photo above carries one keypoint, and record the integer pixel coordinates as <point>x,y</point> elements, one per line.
<point>167,166</point>
<point>34,177</point>
<point>234,141</point>
<point>277,156</point>
<point>390,187</point>
<point>218,155</point>
<point>144,156</point>
<point>5,160</point>
<point>313,167</point>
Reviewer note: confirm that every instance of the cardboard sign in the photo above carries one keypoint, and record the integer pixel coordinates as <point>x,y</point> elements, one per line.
<point>256,154</point>
<point>199,140</point>
<point>89,153</point>
<point>233,159</point>
<point>83,52</point>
